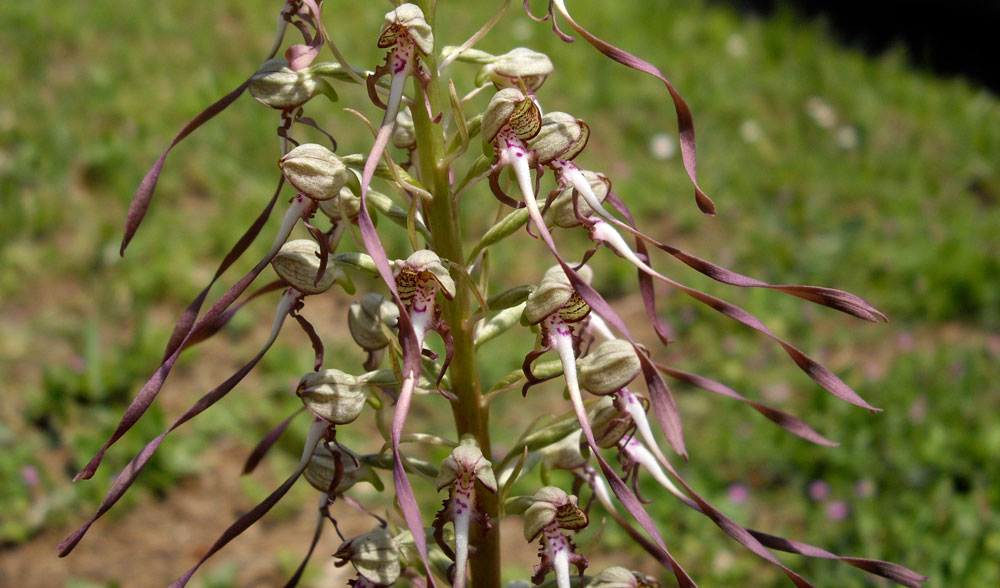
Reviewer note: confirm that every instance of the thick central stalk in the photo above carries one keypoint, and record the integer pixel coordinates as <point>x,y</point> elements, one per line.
<point>442,217</point>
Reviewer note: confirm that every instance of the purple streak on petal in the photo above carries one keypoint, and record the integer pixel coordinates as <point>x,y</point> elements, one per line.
<point>294,580</point>
<point>131,472</point>
<point>895,572</point>
<point>783,419</point>
<point>527,9</point>
<point>621,490</point>
<point>243,523</point>
<point>144,193</point>
<point>314,339</point>
<point>151,388</point>
<point>497,190</point>
<point>820,374</point>
<point>300,56</point>
<point>663,402</point>
<point>268,441</point>
<point>407,336</point>
<point>645,281</point>
<point>207,331</point>
<point>183,326</point>
<point>305,120</point>
<point>836,299</point>
<point>628,498</point>
<point>685,122</point>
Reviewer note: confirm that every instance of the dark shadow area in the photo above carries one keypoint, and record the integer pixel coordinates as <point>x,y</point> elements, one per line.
<point>953,38</point>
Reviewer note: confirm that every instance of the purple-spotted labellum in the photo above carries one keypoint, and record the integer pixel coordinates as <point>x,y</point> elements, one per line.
<point>465,472</point>
<point>553,511</point>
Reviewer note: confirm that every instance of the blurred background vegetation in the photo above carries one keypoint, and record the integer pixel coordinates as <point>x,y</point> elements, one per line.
<point>828,166</point>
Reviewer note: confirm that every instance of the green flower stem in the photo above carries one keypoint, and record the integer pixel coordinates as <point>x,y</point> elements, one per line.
<point>471,416</point>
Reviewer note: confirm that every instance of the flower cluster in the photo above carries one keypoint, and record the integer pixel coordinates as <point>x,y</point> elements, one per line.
<point>437,285</point>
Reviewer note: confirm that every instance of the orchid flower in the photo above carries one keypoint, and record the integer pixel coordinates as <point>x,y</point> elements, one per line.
<point>465,470</point>
<point>553,511</point>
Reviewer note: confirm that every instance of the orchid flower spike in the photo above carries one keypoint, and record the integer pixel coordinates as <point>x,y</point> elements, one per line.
<point>460,472</point>
<point>553,511</point>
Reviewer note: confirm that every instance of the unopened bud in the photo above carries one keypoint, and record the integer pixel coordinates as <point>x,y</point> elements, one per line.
<point>561,136</point>
<point>323,467</point>
<point>619,577</point>
<point>315,171</point>
<point>561,213</point>
<point>517,66</point>
<point>609,423</point>
<point>554,294</point>
<point>344,206</point>
<point>609,368</point>
<point>374,555</point>
<point>280,87</point>
<point>565,454</point>
<point>333,396</point>
<point>365,320</point>
<point>407,19</point>
<point>510,107</point>
<point>297,262</point>
<point>551,504</point>
<point>404,134</point>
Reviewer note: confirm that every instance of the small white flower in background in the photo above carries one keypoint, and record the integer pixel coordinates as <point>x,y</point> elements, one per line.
<point>847,137</point>
<point>821,112</point>
<point>750,131</point>
<point>662,146</point>
<point>736,45</point>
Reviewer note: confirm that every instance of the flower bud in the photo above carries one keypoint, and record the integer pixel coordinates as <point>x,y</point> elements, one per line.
<point>421,266</point>
<point>565,454</point>
<point>619,577</point>
<point>323,467</point>
<point>555,293</point>
<point>280,87</point>
<point>407,19</point>
<point>365,319</point>
<point>561,136</point>
<point>344,206</point>
<point>404,134</point>
<point>332,395</point>
<point>609,423</point>
<point>297,262</point>
<point>314,170</point>
<point>609,368</point>
<point>510,107</point>
<point>520,65</point>
<point>560,211</point>
<point>467,459</point>
<point>551,504</point>
<point>374,555</point>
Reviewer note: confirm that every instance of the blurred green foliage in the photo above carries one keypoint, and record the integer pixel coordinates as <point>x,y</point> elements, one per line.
<point>828,167</point>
